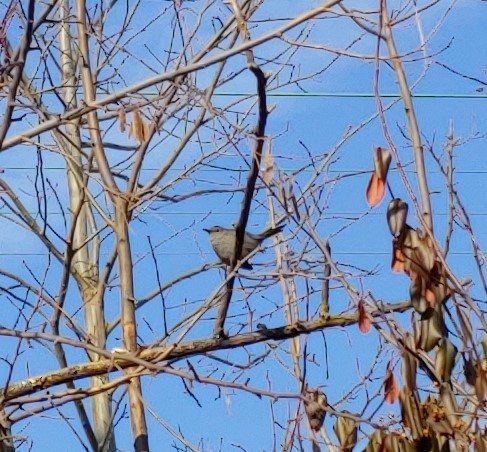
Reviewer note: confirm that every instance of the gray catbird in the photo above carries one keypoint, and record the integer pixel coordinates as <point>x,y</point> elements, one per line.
<point>223,242</point>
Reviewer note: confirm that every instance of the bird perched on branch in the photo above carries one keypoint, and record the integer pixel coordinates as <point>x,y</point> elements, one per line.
<point>223,242</point>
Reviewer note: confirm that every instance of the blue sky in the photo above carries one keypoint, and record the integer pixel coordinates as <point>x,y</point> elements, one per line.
<point>318,122</point>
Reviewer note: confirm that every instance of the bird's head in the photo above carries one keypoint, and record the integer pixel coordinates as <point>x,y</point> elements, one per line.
<point>213,229</point>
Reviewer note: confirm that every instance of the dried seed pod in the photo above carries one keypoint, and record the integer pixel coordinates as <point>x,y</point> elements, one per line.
<point>346,432</point>
<point>469,370</point>
<point>410,412</point>
<point>409,363</point>
<point>481,440</point>
<point>445,359</point>
<point>410,240</point>
<point>315,407</point>
<point>449,404</point>
<point>375,442</point>
<point>417,292</point>
<point>436,418</point>
<point>419,255</point>
<point>432,329</point>
<point>395,442</point>
<point>425,253</point>
<point>437,284</point>
<point>439,441</point>
<point>481,382</point>
<point>397,211</point>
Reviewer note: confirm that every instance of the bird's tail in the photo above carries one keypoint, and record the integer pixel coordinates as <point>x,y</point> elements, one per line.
<point>273,231</point>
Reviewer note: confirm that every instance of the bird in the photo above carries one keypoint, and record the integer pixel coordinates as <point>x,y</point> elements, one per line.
<point>223,242</point>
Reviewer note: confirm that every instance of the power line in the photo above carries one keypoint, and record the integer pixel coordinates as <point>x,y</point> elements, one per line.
<point>245,170</point>
<point>343,95</point>
<point>159,213</point>
<point>357,95</point>
<point>196,253</point>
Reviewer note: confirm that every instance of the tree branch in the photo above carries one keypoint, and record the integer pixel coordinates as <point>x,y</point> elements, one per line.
<point>152,356</point>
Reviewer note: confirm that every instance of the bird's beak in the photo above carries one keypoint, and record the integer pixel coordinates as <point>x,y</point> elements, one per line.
<point>206,230</point>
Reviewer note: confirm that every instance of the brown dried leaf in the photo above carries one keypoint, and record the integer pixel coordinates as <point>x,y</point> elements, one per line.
<point>382,160</point>
<point>364,322</point>
<point>430,296</point>
<point>375,190</point>
<point>133,124</point>
<point>138,128</point>
<point>398,257</point>
<point>412,274</point>
<point>122,119</point>
<point>391,386</point>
